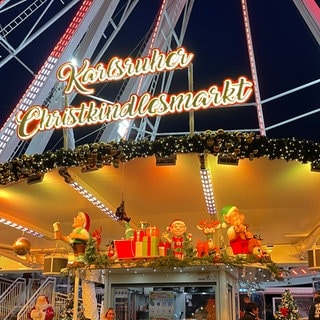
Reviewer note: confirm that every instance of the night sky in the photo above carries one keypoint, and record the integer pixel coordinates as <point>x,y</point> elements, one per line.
<point>287,56</point>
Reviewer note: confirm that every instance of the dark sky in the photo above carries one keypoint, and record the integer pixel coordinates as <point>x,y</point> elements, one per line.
<point>287,56</point>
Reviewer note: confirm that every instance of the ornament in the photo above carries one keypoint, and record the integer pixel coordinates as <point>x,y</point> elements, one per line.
<point>22,246</point>
<point>121,213</point>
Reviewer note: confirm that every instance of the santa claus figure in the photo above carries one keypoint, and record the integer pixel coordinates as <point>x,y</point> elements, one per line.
<point>78,237</point>
<point>42,310</point>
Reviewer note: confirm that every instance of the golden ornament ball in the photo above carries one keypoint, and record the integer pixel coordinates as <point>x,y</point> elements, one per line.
<point>22,246</point>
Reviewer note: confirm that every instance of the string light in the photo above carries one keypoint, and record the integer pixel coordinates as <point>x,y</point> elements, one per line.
<point>239,145</point>
<point>207,186</point>
<point>86,194</point>
<point>21,228</point>
<point>208,191</point>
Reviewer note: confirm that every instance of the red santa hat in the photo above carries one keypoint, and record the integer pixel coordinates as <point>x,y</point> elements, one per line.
<point>174,222</point>
<point>86,219</point>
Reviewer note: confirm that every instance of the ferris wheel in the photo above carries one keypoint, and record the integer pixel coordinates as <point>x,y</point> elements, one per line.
<point>88,29</point>
<point>94,26</point>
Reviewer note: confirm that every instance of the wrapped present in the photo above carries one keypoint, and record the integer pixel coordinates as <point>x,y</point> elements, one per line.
<point>139,251</point>
<point>138,235</point>
<point>152,231</point>
<point>154,246</point>
<point>146,246</point>
<point>162,249</point>
<point>125,249</point>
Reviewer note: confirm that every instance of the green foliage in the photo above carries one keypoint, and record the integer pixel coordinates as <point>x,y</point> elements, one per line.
<point>100,260</point>
<point>240,145</point>
<point>91,252</point>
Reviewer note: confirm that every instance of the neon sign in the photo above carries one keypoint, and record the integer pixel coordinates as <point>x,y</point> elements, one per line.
<point>38,118</point>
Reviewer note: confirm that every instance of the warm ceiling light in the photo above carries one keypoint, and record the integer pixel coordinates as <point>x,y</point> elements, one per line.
<point>228,160</point>
<point>207,186</point>
<point>315,166</point>
<point>170,160</point>
<point>35,178</point>
<point>21,228</point>
<point>63,171</point>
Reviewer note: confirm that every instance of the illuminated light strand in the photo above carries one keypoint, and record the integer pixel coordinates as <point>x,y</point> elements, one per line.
<point>208,191</point>
<point>20,228</point>
<point>91,198</point>
<point>153,37</point>
<point>253,68</point>
<point>43,74</point>
<point>78,78</point>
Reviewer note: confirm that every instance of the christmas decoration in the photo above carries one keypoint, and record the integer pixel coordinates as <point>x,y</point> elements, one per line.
<point>287,309</point>
<point>22,246</point>
<point>67,312</point>
<point>242,241</point>
<point>239,145</point>
<point>78,237</point>
<point>208,227</point>
<point>91,251</point>
<point>121,213</point>
<point>181,245</point>
<point>42,309</point>
<point>96,235</point>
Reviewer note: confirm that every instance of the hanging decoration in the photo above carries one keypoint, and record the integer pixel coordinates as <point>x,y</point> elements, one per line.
<point>121,213</point>
<point>239,145</point>
<point>22,246</point>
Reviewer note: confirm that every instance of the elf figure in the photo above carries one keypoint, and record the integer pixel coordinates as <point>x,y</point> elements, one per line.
<point>78,237</point>
<point>179,238</point>
<point>129,231</point>
<point>237,233</point>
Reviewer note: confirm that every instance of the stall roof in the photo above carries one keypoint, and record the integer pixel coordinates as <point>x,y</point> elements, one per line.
<point>278,198</point>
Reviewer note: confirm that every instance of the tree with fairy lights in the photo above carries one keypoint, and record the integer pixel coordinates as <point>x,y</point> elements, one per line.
<point>287,309</point>
<point>67,312</point>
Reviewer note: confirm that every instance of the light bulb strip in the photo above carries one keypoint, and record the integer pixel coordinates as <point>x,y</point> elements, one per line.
<point>21,228</point>
<point>208,191</point>
<point>91,198</point>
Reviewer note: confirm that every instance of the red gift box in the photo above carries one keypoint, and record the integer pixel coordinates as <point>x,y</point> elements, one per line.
<point>138,235</point>
<point>125,248</point>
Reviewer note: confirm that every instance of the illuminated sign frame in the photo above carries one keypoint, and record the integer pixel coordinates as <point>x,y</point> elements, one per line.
<point>38,118</point>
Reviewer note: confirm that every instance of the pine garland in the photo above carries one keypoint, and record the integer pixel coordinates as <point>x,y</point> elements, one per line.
<point>101,260</point>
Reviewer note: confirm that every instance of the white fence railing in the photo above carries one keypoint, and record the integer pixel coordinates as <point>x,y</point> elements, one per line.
<point>12,299</point>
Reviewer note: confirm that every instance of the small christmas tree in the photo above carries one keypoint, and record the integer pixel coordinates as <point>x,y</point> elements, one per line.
<point>67,312</point>
<point>287,309</point>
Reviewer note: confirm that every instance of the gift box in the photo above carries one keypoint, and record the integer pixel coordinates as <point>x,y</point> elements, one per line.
<point>146,246</point>
<point>125,248</point>
<point>139,252</point>
<point>138,235</point>
<point>152,231</point>
<point>154,246</point>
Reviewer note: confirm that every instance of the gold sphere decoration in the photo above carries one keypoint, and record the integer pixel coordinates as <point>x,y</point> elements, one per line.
<point>22,246</point>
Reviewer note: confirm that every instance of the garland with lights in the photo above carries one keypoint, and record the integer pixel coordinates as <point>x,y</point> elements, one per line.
<point>238,145</point>
<point>100,260</point>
